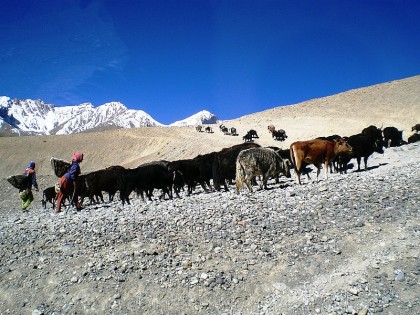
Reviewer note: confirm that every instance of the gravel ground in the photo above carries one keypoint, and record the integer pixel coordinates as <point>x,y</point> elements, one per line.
<point>346,245</point>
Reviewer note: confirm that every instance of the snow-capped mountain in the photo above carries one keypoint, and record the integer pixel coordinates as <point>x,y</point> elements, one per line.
<point>114,114</point>
<point>34,117</point>
<point>203,117</point>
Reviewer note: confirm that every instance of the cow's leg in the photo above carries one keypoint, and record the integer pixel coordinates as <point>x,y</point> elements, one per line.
<point>265,179</point>
<point>298,165</point>
<point>190,187</point>
<point>225,185</point>
<point>253,181</point>
<point>298,177</point>
<point>203,185</point>
<point>238,186</point>
<point>277,178</point>
<point>176,190</point>
<point>248,184</point>
<point>149,194</point>
<point>101,197</point>
<point>365,160</point>
<point>209,185</point>
<point>326,165</point>
<point>359,160</point>
<point>318,170</point>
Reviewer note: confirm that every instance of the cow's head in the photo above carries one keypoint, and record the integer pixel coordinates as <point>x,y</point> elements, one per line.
<point>379,146</point>
<point>287,166</point>
<point>343,146</point>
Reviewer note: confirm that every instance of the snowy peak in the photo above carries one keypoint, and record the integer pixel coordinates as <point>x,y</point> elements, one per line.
<point>201,118</point>
<point>109,115</point>
<point>27,116</point>
<point>35,117</point>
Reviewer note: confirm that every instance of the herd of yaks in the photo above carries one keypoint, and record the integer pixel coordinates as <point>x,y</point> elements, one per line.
<point>242,163</point>
<point>279,135</point>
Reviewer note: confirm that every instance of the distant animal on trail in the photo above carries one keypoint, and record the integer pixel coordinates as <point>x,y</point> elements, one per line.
<point>392,137</point>
<point>416,128</point>
<point>253,134</point>
<point>198,128</point>
<point>250,135</point>
<point>316,152</point>
<point>247,138</point>
<point>415,137</point>
<point>279,135</point>
<point>208,129</point>
<point>224,129</point>
<point>259,161</point>
<point>228,131</point>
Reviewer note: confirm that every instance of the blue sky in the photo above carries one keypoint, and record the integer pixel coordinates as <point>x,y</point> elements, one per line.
<point>175,58</point>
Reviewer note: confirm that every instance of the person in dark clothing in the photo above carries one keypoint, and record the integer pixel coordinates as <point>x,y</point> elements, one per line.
<point>26,195</point>
<point>68,182</point>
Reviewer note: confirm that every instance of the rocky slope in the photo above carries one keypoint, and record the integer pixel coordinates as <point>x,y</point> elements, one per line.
<point>343,246</point>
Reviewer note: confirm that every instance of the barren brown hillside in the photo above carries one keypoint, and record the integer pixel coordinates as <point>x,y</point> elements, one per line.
<point>395,103</point>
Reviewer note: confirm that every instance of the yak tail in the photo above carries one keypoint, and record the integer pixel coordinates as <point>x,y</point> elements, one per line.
<point>240,175</point>
<point>292,157</point>
<point>216,174</point>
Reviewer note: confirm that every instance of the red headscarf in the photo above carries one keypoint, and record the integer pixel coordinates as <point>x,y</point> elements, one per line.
<point>77,156</point>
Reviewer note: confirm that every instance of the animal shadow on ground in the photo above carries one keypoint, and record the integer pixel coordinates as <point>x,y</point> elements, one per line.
<point>371,167</point>
<point>285,185</point>
<point>101,206</point>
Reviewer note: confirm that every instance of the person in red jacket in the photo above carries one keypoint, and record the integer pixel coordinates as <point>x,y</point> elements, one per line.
<point>26,195</point>
<point>68,182</point>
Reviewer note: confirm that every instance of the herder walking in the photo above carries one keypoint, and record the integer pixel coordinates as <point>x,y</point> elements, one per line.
<point>68,182</point>
<point>26,194</point>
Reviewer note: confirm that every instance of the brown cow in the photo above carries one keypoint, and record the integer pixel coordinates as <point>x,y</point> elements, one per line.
<point>316,152</point>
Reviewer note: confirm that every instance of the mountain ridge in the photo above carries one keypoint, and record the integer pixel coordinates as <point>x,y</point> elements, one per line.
<point>35,117</point>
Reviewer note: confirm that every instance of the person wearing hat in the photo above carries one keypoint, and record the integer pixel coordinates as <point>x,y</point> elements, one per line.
<point>26,195</point>
<point>68,182</point>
